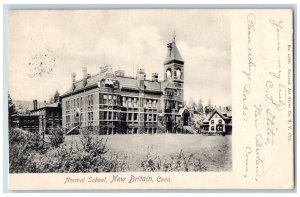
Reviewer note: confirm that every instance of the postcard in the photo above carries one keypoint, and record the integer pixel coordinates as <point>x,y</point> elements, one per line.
<point>150,99</point>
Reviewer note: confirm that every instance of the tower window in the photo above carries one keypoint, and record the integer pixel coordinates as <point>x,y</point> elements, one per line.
<point>178,73</point>
<point>169,73</point>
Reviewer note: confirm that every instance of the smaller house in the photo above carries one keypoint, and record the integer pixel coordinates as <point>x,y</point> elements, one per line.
<point>26,122</point>
<point>217,123</point>
<point>49,115</point>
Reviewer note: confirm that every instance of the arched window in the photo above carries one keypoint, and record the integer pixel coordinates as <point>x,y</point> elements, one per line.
<point>169,73</point>
<point>178,73</point>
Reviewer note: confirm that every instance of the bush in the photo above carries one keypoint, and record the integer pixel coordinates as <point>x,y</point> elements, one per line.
<point>90,155</point>
<point>21,146</point>
<point>56,136</point>
<point>153,163</point>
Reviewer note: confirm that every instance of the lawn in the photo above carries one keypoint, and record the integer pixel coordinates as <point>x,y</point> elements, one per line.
<point>213,151</point>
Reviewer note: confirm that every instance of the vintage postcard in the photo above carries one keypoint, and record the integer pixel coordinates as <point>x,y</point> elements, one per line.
<point>150,99</point>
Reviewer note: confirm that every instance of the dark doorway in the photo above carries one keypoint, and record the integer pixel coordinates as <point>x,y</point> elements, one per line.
<point>186,116</point>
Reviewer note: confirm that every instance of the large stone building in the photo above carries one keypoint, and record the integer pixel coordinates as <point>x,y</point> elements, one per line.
<point>111,102</point>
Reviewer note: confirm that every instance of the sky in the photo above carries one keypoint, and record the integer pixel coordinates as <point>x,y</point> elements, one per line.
<point>45,47</point>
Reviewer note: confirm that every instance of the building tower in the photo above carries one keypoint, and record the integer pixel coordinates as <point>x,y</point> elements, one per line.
<point>173,67</point>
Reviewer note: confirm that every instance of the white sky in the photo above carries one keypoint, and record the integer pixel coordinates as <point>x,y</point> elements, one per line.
<point>64,41</point>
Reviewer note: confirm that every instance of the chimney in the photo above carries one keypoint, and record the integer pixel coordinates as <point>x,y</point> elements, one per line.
<point>34,104</point>
<point>107,68</point>
<point>141,76</point>
<point>120,73</point>
<point>155,77</point>
<point>85,75</point>
<point>73,76</point>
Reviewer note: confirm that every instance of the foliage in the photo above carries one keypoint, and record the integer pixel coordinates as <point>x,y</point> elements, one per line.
<point>56,136</point>
<point>11,110</point>
<point>153,163</point>
<point>21,150</point>
<point>90,155</point>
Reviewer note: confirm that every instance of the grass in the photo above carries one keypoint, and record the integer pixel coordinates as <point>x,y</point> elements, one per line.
<point>115,153</point>
<point>213,151</point>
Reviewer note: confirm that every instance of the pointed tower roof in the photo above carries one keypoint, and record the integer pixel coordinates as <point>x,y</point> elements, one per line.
<point>173,54</point>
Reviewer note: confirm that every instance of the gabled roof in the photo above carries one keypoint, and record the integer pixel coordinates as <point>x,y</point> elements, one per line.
<point>125,82</point>
<point>173,54</point>
<point>207,119</point>
<point>181,110</point>
<point>166,84</point>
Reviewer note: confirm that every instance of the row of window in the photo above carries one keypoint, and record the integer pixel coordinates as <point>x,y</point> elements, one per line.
<point>220,121</point>
<point>134,102</point>
<point>150,117</point>
<point>172,92</point>
<point>171,104</point>
<point>78,102</point>
<point>107,115</point>
<point>111,100</point>
<point>219,128</point>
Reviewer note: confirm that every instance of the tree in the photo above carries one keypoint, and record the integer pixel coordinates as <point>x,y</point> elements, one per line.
<point>200,106</point>
<point>56,97</point>
<point>191,102</point>
<point>11,110</point>
<point>51,100</point>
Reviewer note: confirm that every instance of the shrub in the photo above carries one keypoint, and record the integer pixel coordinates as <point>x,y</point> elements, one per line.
<point>56,136</point>
<point>153,163</point>
<point>20,148</point>
<point>90,155</point>
<point>95,145</point>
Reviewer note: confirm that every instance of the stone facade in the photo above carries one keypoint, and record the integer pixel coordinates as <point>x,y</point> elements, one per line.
<point>111,102</point>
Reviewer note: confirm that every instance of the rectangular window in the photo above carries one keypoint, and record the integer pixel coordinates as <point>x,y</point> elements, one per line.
<point>145,102</point>
<point>90,116</point>
<point>109,115</point>
<point>124,101</point>
<point>129,116</point>
<point>154,104</point>
<point>150,117</point>
<point>92,101</point>
<point>115,100</point>
<point>105,99</point>
<point>115,116</point>
<point>105,115</point>
<point>212,128</point>
<point>154,117</point>
<point>145,117</point>
<point>129,102</point>
<point>150,103</point>
<point>135,116</point>
<point>110,102</point>
<point>135,102</point>
<point>212,121</point>
<point>68,119</point>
